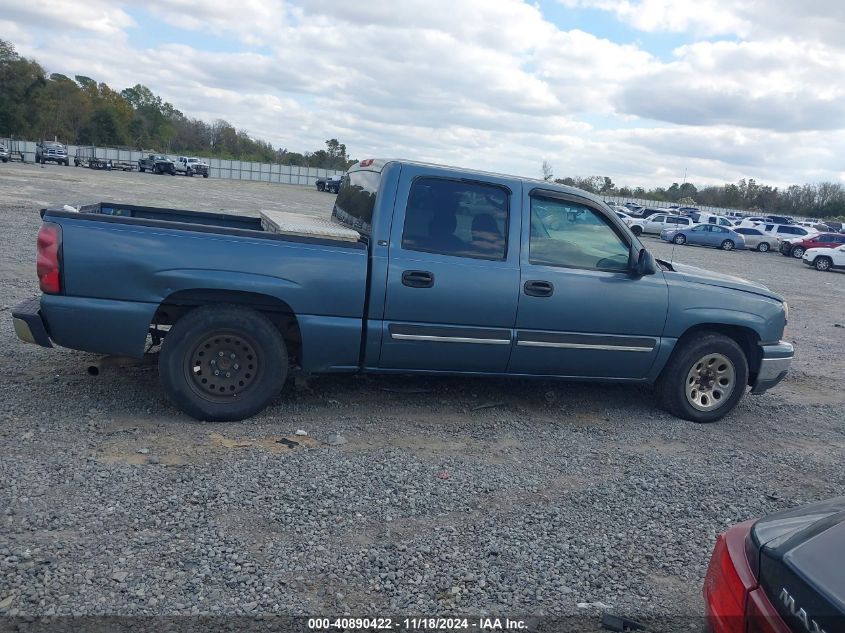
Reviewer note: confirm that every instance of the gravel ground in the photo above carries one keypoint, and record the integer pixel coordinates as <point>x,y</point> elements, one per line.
<point>450,496</point>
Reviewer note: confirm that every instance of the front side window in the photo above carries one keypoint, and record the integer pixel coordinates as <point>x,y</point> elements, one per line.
<point>572,235</point>
<point>457,218</point>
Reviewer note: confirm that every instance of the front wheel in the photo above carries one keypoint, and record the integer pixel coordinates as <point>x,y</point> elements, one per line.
<point>189,173</point>
<point>141,169</point>
<point>763,247</point>
<point>679,239</point>
<point>637,230</point>
<point>727,245</point>
<point>798,252</point>
<point>205,175</point>
<point>823,263</point>
<point>321,186</point>
<point>223,362</point>
<point>704,379</point>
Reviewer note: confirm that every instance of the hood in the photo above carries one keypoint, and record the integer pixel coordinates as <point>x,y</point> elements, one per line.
<point>708,277</point>
<point>818,250</point>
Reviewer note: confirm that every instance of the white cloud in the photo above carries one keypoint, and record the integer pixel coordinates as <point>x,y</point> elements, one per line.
<point>494,85</point>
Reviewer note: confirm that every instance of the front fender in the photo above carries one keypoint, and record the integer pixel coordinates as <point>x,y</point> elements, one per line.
<point>695,304</point>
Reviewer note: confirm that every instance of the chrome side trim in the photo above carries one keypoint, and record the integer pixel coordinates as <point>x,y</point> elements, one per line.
<point>449,339</point>
<point>610,348</point>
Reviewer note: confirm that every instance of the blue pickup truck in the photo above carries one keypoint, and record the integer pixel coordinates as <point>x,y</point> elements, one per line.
<point>452,271</point>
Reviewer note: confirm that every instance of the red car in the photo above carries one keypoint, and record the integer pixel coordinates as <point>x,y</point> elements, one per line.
<point>796,247</point>
<point>784,573</point>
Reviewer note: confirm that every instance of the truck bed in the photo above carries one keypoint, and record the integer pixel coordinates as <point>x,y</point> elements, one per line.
<point>191,220</point>
<point>121,263</point>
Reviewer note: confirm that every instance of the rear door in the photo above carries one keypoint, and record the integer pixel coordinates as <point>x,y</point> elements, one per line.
<point>581,312</point>
<point>453,273</point>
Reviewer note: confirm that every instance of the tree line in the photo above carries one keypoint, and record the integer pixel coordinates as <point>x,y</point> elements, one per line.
<point>820,200</point>
<point>82,111</point>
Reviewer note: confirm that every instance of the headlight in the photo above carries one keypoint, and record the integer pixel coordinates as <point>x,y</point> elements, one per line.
<point>785,312</point>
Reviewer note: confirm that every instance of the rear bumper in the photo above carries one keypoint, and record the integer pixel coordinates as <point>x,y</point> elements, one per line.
<point>774,366</point>
<point>101,326</point>
<point>29,326</point>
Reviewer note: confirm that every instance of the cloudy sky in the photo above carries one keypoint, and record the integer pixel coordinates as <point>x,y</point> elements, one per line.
<point>640,90</point>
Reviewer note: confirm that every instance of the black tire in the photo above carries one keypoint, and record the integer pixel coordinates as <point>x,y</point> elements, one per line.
<point>797,252</point>
<point>672,385</point>
<point>763,247</point>
<point>253,351</point>
<point>727,245</point>
<point>680,239</point>
<point>321,186</point>
<point>205,175</point>
<point>141,169</point>
<point>189,172</point>
<point>637,230</point>
<point>823,263</point>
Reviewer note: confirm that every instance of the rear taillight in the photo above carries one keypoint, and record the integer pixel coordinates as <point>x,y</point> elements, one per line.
<point>728,581</point>
<point>47,263</point>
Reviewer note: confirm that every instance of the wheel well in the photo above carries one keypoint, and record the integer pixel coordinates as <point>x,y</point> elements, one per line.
<point>180,303</point>
<point>745,337</point>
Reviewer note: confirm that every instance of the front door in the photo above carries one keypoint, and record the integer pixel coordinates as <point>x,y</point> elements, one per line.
<point>581,312</point>
<point>453,273</point>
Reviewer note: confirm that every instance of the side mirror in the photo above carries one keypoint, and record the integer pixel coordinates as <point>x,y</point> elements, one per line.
<point>641,262</point>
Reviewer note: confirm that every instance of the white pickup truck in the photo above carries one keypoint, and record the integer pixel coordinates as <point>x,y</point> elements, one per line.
<point>188,166</point>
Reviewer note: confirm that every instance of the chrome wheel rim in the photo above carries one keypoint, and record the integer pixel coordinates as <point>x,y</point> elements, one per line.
<point>727,245</point>
<point>797,253</point>
<point>710,382</point>
<point>763,247</point>
<point>822,264</point>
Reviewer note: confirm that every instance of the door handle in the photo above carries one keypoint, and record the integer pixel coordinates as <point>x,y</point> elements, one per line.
<point>535,288</point>
<point>417,279</point>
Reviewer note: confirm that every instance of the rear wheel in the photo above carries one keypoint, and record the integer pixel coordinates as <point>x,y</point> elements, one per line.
<point>704,379</point>
<point>190,172</point>
<point>637,230</point>
<point>679,239</point>
<point>223,362</point>
<point>205,175</point>
<point>728,245</point>
<point>763,247</point>
<point>321,186</point>
<point>141,169</point>
<point>798,252</point>
<point>823,263</point>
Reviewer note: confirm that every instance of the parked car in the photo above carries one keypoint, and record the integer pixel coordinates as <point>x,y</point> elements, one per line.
<point>5,154</point>
<point>655,224</point>
<point>645,212</point>
<point>51,152</point>
<point>157,164</point>
<point>796,247</point>
<point>633,207</point>
<point>190,165</point>
<point>330,183</point>
<point>755,238</point>
<point>705,235</point>
<point>426,269</point>
<point>825,259</point>
<point>780,219</point>
<point>787,231</point>
<point>752,221</point>
<point>712,218</point>
<point>784,573</point>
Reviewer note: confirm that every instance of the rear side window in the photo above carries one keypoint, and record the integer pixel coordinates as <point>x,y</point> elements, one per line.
<point>356,199</point>
<point>457,218</point>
